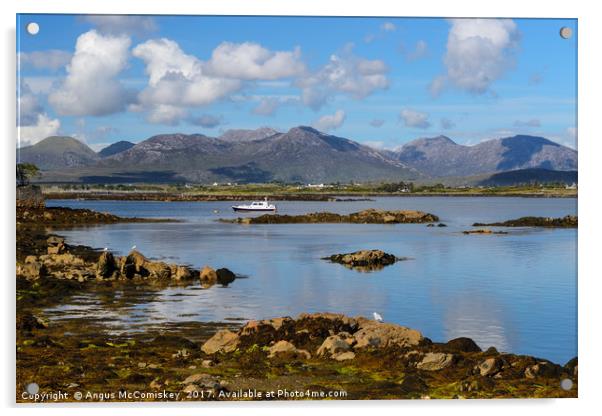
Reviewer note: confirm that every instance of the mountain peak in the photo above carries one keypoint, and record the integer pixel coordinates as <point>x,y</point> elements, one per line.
<point>432,141</point>
<point>114,148</point>
<point>247,135</point>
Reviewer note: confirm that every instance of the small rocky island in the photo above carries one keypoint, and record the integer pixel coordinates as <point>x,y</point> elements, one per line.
<point>569,221</point>
<point>365,260</point>
<point>368,216</point>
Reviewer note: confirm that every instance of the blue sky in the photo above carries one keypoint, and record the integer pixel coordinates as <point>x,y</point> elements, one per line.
<point>380,81</point>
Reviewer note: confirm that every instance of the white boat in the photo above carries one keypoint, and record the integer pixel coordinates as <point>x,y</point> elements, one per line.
<point>255,206</point>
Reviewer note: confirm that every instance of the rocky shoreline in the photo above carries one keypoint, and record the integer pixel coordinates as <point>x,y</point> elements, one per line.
<point>368,216</point>
<point>365,260</point>
<point>569,221</point>
<point>312,356</point>
<point>318,353</point>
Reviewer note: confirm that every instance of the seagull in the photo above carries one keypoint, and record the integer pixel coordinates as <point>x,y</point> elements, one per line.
<point>105,249</point>
<point>377,317</point>
<point>134,247</point>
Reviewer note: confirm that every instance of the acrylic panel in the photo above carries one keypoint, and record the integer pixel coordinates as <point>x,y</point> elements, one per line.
<point>282,208</point>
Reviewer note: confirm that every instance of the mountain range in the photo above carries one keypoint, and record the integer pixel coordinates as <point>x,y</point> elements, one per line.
<point>302,154</point>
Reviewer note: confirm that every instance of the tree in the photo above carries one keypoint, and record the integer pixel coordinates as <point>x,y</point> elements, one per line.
<point>26,171</point>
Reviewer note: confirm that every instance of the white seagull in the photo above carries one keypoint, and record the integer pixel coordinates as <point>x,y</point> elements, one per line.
<point>134,247</point>
<point>377,317</point>
<point>106,249</point>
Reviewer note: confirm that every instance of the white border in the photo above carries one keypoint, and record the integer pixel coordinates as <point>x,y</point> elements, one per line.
<point>590,70</point>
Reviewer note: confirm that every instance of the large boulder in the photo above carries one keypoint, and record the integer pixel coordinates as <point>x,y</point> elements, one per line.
<point>106,265</point>
<point>462,344</point>
<point>224,276</point>
<point>182,273</point>
<point>287,349</point>
<point>435,361</point>
<point>223,341</point>
<point>332,345</point>
<point>32,270</point>
<point>137,264</point>
<point>208,275</point>
<point>490,366</point>
<point>384,335</point>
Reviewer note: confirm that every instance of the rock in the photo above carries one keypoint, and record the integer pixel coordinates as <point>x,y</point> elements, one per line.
<point>569,221</point>
<point>483,231</point>
<point>66,259</point>
<point>32,271</point>
<point>55,240</point>
<point>490,367</point>
<point>31,259</point>
<point>364,258</point>
<point>441,225</point>
<point>383,335</point>
<point>136,263</point>
<point>491,351</point>
<point>56,249</point>
<point>182,273</point>
<point>435,361</point>
<point>223,341</point>
<point>203,380</point>
<point>156,270</point>
<point>208,275</point>
<point>572,366</point>
<point>207,363</point>
<point>332,345</point>
<point>542,369</point>
<point>106,264</point>
<point>462,344</point>
<point>288,349</point>
<point>344,356</point>
<point>224,276</point>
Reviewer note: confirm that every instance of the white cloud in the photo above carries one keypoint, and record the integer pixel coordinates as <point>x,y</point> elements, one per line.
<point>330,122</point>
<point>206,120</point>
<point>90,87</point>
<point>412,118</point>
<point>177,79</point>
<point>42,128</point>
<point>28,106</point>
<point>343,74</point>
<point>534,122</point>
<point>122,24</point>
<point>572,132</point>
<point>166,114</point>
<point>479,52</point>
<point>388,27</point>
<point>251,61</point>
<point>52,59</point>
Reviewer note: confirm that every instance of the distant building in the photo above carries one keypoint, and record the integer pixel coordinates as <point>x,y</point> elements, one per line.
<point>572,186</point>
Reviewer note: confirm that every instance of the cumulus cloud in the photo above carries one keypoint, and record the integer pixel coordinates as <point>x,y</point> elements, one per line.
<point>528,123</point>
<point>479,52</point>
<point>344,74</point>
<point>251,61</point>
<point>206,120</point>
<point>330,122</point>
<point>91,87</point>
<point>166,114</point>
<point>177,79</point>
<point>412,118</point>
<point>388,27</point>
<point>377,122</point>
<point>43,127</point>
<point>122,24</point>
<point>446,124</point>
<point>51,59</point>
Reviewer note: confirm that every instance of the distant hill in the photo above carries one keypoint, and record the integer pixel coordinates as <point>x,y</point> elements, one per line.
<point>115,148</point>
<point>242,135</point>
<point>303,155</point>
<point>57,152</point>
<point>441,156</point>
<point>530,176</point>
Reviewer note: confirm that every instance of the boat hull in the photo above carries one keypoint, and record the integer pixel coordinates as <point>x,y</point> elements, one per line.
<point>254,209</point>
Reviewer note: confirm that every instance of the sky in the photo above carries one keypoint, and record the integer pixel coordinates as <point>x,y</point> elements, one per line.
<point>380,81</point>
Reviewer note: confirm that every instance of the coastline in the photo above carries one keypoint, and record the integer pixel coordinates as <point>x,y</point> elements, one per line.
<point>176,359</point>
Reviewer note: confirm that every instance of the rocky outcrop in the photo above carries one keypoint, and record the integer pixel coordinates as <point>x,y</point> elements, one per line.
<point>364,260</point>
<point>223,341</point>
<point>484,231</point>
<point>369,216</point>
<point>569,221</point>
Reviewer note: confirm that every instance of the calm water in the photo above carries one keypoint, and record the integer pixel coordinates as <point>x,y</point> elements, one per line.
<point>516,292</point>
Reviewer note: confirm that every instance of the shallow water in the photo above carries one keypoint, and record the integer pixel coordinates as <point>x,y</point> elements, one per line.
<point>516,292</point>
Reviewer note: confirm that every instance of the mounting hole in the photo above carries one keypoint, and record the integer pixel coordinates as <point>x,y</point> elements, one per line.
<point>32,388</point>
<point>32,28</point>
<point>566,384</point>
<point>566,32</point>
